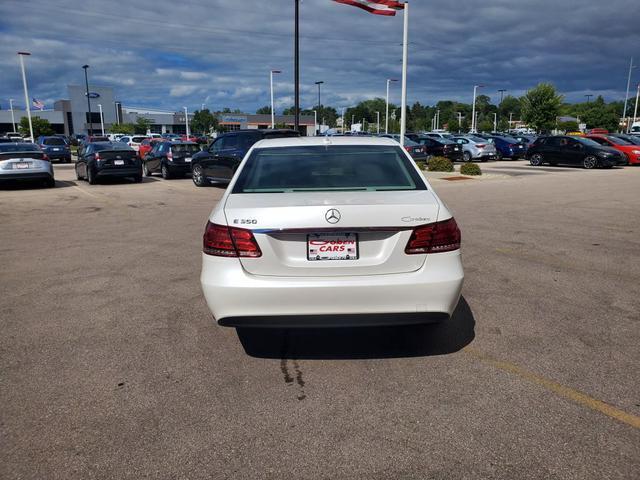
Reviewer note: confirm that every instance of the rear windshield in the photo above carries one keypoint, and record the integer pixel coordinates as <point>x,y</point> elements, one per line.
<point>185,148</point>
<point>333,168</point>
<point>587,141</point>
<point>137,139</point>
<point>54,141</point>
<point>20,147</point>
<point>618,141</point>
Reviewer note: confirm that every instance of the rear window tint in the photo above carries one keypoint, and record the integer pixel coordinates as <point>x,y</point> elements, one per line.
<point>335,168</point>
<point>185,148</point>
<point>54,141</point>
<point>21,147</point>
<point>138,139</point>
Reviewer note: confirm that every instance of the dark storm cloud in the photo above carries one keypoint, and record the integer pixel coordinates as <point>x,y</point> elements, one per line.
<point>167,54</point>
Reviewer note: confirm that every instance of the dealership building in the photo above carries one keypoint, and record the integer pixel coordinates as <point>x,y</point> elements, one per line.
<point>72,115</point>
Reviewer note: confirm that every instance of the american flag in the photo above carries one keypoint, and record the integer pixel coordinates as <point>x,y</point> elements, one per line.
<point>38,104</point>
<point>377,7</point>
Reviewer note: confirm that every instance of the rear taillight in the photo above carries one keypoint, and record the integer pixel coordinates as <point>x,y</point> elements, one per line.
<point>223,241</point>
<point>170,155</point>
<point>98,157</point>
<point>480,145</point>
<point>44,157</point>
<point>434,238</point>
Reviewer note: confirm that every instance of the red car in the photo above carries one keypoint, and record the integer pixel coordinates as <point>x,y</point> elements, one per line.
<point>146,146</point>
<point>629,149</point>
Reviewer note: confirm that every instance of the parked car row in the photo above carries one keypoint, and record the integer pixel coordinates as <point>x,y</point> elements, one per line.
<point>574,150</point>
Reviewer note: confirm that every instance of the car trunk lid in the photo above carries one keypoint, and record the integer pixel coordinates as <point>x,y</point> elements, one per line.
<point>284,224</point>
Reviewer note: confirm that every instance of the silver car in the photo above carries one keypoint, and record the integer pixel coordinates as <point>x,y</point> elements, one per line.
<point>25,162</point>
<point>476,148</point>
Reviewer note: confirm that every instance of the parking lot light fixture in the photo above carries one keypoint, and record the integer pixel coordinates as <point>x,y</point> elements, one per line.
<point>101,119</point>
<point>273,113</point>
<point>186,120</point>
<point>386,115</point>
<point>26,91</point>
<point>459,121</point>
<point>588,98</point>
<point>315,121</point>
<point>378,123</point>
<point>495,122</point>
<point>626,98</point>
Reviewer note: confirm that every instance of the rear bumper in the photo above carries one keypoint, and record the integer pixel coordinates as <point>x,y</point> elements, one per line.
<point>179,167</point>
<point>21,176</point>
<point>237,298</point>
<point>119,172</point>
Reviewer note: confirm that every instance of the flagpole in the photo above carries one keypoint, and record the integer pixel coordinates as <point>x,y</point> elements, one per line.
<point>405,44</point>
<point>26,93</point>
<point>296,107</point>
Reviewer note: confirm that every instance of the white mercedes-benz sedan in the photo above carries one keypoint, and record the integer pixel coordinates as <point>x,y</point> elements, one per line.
<point>330,231</point>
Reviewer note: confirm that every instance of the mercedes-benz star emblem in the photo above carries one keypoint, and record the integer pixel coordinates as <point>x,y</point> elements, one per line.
<point>332,216</point>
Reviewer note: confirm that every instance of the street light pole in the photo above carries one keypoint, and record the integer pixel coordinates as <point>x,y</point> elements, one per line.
<point>13,119</point>
<point>438,119</point>
<point>315,122</point>
<point>86,82</point>
<point>588,97</point>
<point>378,123</point>
<point>473,110</point>
<point>296,62</point>
<point>319,103</point>
<point>186,120</point>
<point>101,118</point>
<point>344,121</point>
<point>273,114</point>
<point>495,122</point>
<point>26,92</point>
<point>459,121</point>
<point>386,116</point>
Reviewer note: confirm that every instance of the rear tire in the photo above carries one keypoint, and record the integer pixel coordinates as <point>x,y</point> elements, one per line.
<point>78,177</point>
<point>166,174</point>
<point>590,162</point>
<point>145,169</point>
<point>197,175</point>
<point>91,177</point>
<point>466,156</point>
<point>536,160</point>
<point>137,179</point>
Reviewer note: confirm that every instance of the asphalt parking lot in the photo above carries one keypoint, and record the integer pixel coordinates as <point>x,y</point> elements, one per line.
<point>111,366</point>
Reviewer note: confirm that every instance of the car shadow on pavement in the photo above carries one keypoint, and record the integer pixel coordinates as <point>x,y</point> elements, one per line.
<point>32,185</point>
<point>362,342</point>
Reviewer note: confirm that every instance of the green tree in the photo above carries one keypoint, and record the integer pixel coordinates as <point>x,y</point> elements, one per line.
<point>598,115</point>
<point>126,128</point>
<point>509,108</point>
<point>541,106</point>
<point>41,126</point>
<point>204,121</point>
<point>142,125</point>
<point>266,110</point>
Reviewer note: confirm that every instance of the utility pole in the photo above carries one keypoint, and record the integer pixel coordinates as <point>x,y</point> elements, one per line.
<point>13,119</point>
<point>635,110</point>
<point>101,119</point>
<point>273,115</point>
<point>386,116</point>
<point>474,126</point>
<point>378,122</point>
<point>626,97</point>
<point>319,103</point>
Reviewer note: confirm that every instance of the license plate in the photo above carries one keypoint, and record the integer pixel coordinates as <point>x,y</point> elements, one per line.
<point>21,165</point>
<point>332,246</point>
<point>187,159</point>
<point>56,149</point>
<point>118,162</point>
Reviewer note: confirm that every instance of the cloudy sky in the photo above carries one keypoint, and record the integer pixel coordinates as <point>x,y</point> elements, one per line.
<point>170,54</point>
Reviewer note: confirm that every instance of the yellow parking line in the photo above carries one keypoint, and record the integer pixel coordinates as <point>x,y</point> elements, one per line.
<point>562,390</point>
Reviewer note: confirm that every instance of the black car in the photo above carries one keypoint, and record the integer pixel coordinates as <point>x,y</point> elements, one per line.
<point>440,147</point>
<point>219,162</point>
<point>569,150</point>
<point>55,148</point>
<point>106,159</point>
<point>170,159</point>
